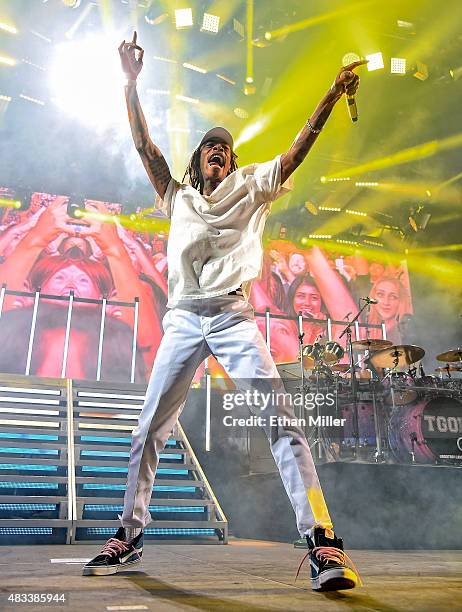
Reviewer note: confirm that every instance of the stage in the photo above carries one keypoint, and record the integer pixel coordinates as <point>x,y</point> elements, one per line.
<point>244,575</point>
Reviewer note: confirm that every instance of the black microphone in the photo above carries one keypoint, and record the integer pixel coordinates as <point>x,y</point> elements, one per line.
<point>369,300</point>
<point>352,110</point>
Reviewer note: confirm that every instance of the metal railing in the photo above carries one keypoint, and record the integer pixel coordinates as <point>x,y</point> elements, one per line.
<point>71,299</point>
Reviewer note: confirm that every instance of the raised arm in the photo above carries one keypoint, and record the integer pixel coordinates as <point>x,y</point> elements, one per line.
<point>346,81</point>
<point>151,156</point>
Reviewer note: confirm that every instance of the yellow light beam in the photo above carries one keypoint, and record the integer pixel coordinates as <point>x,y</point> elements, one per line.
<point>405,156</point>
<point>311,21</point>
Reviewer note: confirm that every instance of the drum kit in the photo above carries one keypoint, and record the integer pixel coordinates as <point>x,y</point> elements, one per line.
<point>392,410</point>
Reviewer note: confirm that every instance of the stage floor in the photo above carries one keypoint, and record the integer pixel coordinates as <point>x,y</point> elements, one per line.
<point>244,575</point>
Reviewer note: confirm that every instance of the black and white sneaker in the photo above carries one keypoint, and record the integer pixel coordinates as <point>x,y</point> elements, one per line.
<point>329,571</point>
<point>116,555</point>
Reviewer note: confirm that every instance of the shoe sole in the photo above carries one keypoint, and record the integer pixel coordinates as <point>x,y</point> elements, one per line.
<point>335,580</point>
<point>107,571</point>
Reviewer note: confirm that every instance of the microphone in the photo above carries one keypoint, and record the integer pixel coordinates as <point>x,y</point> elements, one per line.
<point>352,110</point>
<point>307,314</point>
<point>369,300</point>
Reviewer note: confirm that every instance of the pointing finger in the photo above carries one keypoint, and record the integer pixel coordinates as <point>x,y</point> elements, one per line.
<point>355,64</point>
<point>134,37</point>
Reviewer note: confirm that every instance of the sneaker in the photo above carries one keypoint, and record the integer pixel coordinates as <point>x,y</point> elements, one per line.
<point>117,554</point>
<point>329,571</point>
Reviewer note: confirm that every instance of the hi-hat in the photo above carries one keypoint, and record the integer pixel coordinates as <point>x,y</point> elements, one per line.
<point>451,356</point>
<point>397,356</point>
<point>370,344</point>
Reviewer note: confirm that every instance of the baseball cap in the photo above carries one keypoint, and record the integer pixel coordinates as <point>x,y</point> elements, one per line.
<point>218,133</point>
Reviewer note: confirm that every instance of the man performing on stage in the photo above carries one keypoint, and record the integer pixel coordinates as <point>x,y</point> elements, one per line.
<point>214,251</point>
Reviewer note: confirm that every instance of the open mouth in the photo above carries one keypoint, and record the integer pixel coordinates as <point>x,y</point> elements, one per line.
<point>216,160</point>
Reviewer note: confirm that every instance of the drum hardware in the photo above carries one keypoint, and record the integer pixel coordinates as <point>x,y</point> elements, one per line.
<point>413,438</point>
<point>350,349</point>
<point>448,369</point>
<point>451,356</point>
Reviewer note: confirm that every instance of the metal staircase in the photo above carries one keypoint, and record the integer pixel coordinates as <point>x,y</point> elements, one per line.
<point>64,448</point>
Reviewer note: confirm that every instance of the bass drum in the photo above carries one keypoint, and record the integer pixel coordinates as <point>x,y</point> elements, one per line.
<point>431,429</point>
<point>366,425</point>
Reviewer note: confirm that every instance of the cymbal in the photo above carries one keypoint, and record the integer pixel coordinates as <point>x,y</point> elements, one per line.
<point>340,367</point>
<point>370,344</point>
<point>397,356</point>
<point>451,356</point>
<point>448,369</point>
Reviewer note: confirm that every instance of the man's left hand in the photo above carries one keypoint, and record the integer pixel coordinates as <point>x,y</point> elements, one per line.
<point>347,81</point>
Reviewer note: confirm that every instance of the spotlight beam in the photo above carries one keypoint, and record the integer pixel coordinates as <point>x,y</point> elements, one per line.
<point>427,149</point>
<point>312,21</point>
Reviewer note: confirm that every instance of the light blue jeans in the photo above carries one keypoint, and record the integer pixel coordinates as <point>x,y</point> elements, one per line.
<point>224,327</point>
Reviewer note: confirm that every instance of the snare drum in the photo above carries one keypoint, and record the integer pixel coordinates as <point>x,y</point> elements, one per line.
<point>400,386</point>
<point>431,429</point>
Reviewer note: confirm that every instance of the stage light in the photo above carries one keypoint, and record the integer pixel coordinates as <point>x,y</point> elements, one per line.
<point>330,208</point>
<point>249,79</point>
<point>187,99</point>
<point>311,207</point>
<point>239,29</point>
<point>366,184</point>
<point>373,243</point>
<point>349,58</point>
<point>7,61</point>
<point>241,113</point>
<point>30,99</point>
<point>71,3</point>
<point>268,36</point>
<point>455,73</point>
<point>210,23</point>
<point>168,60</point>
<point>183,18</point>
<point>4,98</point>
<point>418,218</point>
<point>358,213</point>
<point>29,63</point>
<point>421,72</point>
<point>86,80</point>
<point>225,78</point>
<point>195,68</point>
<point>8,28</point>
<point>398,65</point>
<point>375,61</point>
<point>249,89</point>
<point>405,25</point>
<point>320,236</point>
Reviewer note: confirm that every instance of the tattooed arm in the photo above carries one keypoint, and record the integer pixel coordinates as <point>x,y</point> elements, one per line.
<point>151,156</point>
<point>346,81</point>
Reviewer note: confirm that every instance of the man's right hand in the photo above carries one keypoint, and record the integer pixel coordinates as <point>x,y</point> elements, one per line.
<point>131,65</point>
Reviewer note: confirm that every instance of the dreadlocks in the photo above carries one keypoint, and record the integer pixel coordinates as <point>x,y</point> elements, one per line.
<point>193,171</point>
